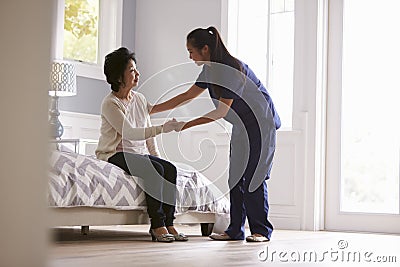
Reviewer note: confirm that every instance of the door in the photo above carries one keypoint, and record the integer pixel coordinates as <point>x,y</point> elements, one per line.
<point>363,116</point>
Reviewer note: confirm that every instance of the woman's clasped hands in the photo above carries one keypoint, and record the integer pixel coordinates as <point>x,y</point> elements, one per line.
<point>173,125</point>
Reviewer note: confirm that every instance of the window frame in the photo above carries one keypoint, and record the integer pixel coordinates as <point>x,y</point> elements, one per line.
<point>109,31</point>
<point>229,26</point>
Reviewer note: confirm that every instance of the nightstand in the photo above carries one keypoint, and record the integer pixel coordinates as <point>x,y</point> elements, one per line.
<point>78,145</point>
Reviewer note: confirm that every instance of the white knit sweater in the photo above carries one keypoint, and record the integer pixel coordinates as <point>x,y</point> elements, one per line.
<point>126,127</point>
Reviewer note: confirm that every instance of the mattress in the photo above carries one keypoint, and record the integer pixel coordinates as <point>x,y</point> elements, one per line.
<point>77,180</point>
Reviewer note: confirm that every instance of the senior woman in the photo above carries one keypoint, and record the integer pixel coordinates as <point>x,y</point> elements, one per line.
<point>127,140</point>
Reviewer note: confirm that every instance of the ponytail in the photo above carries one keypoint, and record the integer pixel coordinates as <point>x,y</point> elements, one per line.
<point>219,50</point>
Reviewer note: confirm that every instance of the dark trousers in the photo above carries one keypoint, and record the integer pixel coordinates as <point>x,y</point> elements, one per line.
<point>254,205</point>
<point>157,179</point>
<point>246,152</point>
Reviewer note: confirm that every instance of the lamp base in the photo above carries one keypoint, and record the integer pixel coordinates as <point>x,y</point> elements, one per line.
<point>56,128</point>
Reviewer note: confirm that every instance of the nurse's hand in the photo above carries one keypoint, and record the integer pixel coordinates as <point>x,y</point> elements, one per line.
<point>169,126</point>
<point>179,125</point>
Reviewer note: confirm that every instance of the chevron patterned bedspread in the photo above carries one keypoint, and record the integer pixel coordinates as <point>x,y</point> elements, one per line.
<point>78,180</point>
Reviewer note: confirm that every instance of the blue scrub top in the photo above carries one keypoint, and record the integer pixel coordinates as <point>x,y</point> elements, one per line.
<point>253,116</point>
<point>249,94</point>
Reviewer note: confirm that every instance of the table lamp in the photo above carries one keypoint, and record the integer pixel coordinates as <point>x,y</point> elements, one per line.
<point>63,83</point>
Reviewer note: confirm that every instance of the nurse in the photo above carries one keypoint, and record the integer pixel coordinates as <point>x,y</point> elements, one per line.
<point>241,99</point>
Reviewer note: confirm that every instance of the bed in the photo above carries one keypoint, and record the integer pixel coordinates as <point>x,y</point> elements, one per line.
<point>84,191</point>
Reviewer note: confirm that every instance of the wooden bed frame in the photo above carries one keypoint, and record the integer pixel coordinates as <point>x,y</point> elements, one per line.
<point>87,216</point>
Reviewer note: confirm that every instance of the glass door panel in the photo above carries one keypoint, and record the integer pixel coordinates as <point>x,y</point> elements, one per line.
<point>363,116</point>
<point>370,106</point>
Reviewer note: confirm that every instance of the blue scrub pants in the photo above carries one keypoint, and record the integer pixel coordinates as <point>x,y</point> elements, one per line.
<point>254,205</point>
<point>244,160</point>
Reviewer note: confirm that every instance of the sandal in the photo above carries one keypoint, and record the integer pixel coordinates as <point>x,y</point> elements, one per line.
<point>256,238</point>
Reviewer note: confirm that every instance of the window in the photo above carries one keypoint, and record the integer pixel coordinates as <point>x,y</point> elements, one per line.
<point>81,22</point>
<point>86,31</point>
<point>262,34</point>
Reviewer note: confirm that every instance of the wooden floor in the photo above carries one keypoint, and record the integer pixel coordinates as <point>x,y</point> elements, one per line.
<point>119,246</point>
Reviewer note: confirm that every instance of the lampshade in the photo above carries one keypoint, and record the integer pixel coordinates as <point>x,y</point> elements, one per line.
<point>63,79</point>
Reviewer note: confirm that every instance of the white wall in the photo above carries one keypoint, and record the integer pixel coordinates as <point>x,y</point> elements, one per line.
<point>25,28</point>
<point>160,45</point>
<point>161,29</point>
